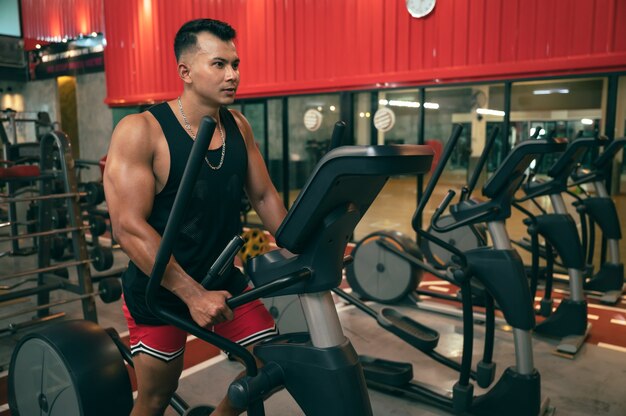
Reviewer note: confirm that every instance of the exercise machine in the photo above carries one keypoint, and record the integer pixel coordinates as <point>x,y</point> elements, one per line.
<point>569,321</point>
<point>499,269</point>
<point>600,209</point>
<point>404,281</point>
<point>313,236</point>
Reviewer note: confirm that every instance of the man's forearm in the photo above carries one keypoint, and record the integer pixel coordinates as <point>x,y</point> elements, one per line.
<point>141,246</point>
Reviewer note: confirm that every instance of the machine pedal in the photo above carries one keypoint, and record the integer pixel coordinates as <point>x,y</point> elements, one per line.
<point>393,373</point>
<point>418,335</point>
<point>611,297</point>
<point>569,346</point>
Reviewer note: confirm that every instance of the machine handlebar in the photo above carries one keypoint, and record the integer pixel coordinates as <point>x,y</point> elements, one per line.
<point>447,153</point>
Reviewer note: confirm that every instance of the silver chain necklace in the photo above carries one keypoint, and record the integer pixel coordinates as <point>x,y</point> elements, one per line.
<point>193,136</point>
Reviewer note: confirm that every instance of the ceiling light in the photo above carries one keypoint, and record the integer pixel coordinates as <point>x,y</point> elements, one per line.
<point>401,103</point>
<point>490,112</point>
<point>587,121</point>
<point>551,91</point>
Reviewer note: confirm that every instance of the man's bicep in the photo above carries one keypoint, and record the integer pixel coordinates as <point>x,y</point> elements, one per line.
<point>129,191</point>
<point>129,179</point>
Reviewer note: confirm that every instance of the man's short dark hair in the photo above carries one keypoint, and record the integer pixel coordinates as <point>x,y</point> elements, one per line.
<point>186,36</point>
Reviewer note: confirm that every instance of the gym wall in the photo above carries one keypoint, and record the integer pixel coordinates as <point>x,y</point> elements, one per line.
<point>42,19</point>
<point>95,120</point>
<point>293,46</point>
<point>30,98</point>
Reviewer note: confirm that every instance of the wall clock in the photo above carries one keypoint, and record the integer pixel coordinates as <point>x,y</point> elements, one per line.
<point>420,8</point>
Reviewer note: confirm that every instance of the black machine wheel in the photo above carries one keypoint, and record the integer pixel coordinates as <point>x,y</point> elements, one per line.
<point>381,275</point>
<point>462,238</point>
<point>70,369</point>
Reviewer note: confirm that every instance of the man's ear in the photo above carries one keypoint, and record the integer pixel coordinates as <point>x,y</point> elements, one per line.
<point>183,72</point>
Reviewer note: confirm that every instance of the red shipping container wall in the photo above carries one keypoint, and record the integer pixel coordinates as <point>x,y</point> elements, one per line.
<point>46,19</point>
<point>302,46</point>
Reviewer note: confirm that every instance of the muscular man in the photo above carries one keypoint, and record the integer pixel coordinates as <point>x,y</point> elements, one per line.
<point>144,168</point>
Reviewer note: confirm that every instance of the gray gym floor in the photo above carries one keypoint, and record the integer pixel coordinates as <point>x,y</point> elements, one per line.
<point>589,384</point>
<point>592,383</point>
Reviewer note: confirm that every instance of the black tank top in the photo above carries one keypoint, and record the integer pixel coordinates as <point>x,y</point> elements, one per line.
<point>211,219</point>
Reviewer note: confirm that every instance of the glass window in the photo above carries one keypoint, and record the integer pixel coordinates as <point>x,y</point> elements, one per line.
<point>478,108</point>
<point>405,106</point>
<point>311,122</point>
<point>558,108</point>
<point>275,141</point>
<point>620,130</point>
<point>393,208</point>
<point>270,146</point>
<point>363,117</point>
<point>255,113</point>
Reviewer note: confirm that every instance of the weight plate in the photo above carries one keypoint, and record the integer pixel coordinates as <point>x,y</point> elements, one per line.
<point>102,258</point>
<point>381,275</point>
<point>95,193</point>
<point>97,225</point>
<point>110,289</point>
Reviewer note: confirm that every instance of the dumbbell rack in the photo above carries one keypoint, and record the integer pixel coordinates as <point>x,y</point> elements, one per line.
<point>14,152</point>
<point>79,245</point>
<point>56,160</point>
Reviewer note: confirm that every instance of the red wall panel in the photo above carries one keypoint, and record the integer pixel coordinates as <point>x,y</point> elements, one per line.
<point>476,33</point>
<point>303,46</point>
<point>460,39</point>
<point>618,28</point>
<point>581,42</point>
<point>43,20</point>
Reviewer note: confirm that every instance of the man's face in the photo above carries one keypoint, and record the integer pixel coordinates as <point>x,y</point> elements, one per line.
<point>213,68</point>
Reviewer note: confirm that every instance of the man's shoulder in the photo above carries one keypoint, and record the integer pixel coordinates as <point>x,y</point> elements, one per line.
<point>139,126</point>
<point>137,120</point>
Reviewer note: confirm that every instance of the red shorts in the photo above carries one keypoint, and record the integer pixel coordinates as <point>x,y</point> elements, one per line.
<point>252,323</point>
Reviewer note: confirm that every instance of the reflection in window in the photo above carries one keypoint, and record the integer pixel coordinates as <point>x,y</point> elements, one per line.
<point>363,118</point>
<point>405,106</point>
<point>394,206</point>
<point>275,141</point>
<point>255,113</point>
<point>478,108</point>
<point>557,108</point>
<point>308,145</point>
<point>620,130</point>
